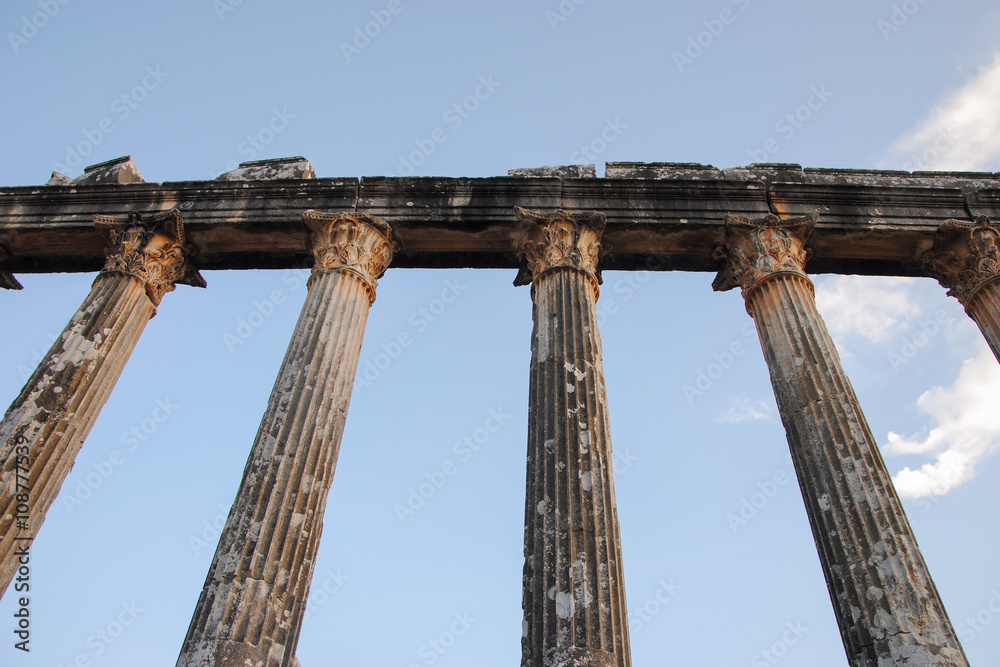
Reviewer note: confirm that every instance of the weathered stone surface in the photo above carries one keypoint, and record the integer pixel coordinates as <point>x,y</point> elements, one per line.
<point>982,199</point>
<point>757,250</point>
<point>269,170</point>
<point>119,171</point>
<point>984,309</point>
<point>250,610</point>
<point>659,216</point>
<point>59,179</point>
<point>886,605</point>
<point>574,589</point>
<point>153,249</point>
<point>966,260</point>
<point>7,279</point>
<point>563,171</point>
<point>657,170</point>
<point>50,419</point>
<point>874,222</point>
<point>965,257</point>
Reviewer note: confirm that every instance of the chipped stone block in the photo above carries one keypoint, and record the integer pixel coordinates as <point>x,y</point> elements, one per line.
<point>59,179</point>
<point>956,175</point>
<point>776,166</point>
<point>564,171</point>
<point>662,170</point>
<point>267,170</point>
<point>120,170</point>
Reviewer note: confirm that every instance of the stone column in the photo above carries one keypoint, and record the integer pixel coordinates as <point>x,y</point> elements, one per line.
<point>574,589</point>
<point>46,425</point>
<point>966,260</point>
<point>250,610</point>
<point>886,604</point>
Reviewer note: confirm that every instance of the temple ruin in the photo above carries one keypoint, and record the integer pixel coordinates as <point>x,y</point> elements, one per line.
<point>764,228</point>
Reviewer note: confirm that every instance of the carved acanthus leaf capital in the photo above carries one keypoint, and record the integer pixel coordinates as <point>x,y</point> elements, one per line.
<point>150,247</point>
<point>965,256</point>
<point>354,243</point>
<point>755,250</point>
<point>7,279</point>
<point>553,240</point>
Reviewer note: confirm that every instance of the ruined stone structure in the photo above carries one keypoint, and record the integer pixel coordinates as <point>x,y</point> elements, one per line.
<point>763,228</point>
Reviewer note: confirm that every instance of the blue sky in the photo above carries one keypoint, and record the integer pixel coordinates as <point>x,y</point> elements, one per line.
<point>189,89</point>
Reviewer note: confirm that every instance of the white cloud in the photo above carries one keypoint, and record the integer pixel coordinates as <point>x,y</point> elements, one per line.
<point>967,431</point>
<point>744,408</point>
<point>872,307</point>
<point>963,133</point>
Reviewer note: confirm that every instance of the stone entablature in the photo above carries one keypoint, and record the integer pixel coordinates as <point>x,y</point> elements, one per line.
<point>661,216</point>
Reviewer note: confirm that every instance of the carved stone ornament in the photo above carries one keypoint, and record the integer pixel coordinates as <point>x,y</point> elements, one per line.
<point>150,247</point>
<point>555,240</point>
<point>7,279</point>
<point>755,250</point>
<point>965,257</point>
<point>355,243</point>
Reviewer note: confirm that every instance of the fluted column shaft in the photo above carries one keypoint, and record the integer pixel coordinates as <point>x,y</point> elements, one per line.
<point>574,590</point>
<point>45,427</point>
<point>966,260</point>
<point>886,604</point>
<point>250,611</point>
<point>984,309</point>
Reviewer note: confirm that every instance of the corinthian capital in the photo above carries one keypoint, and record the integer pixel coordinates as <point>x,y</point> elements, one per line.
<point>965,256</point>
<point>755,250</point>
<point>351,243</point>
<point>7,279</point>
<point>151,248</point>
<point>553,240</point>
